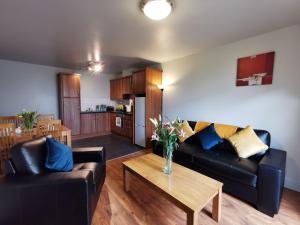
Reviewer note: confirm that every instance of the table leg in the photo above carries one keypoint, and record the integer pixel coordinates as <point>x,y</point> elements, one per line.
<point>216,209</point>
<point>192,218</point>
<point>126,178</point>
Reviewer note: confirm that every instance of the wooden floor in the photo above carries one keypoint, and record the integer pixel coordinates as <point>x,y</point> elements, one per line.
<point>144,206</point>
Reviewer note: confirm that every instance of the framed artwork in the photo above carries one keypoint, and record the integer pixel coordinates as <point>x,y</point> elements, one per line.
<point>255,70</point>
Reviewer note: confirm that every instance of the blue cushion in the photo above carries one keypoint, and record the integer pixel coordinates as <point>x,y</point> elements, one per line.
<point>59,156</point>
<point>209,137</point>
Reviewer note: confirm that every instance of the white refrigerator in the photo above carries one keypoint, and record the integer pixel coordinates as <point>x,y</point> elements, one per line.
<point>140,117</point>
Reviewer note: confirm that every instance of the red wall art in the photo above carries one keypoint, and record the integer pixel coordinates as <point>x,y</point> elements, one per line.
<point>255,70</point>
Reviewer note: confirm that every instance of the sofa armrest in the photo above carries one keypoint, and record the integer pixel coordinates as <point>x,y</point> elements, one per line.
<point>89,154</point>
<point>55,198</point>
<point>271,175</point>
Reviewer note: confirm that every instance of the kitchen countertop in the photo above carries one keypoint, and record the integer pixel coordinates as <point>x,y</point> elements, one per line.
<point>125,113</point>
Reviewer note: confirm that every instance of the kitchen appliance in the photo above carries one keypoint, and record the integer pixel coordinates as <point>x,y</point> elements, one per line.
<point>119,119</point>
<point>120,108</point>
<point>128,108</point>
<point>140,120</point>
<point>109,108</point>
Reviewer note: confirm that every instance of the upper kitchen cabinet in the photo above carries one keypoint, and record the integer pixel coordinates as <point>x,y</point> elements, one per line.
<point>70,85</point>
<point>126,85</point>
<point>120,87</point>
<point>139,82</point>
<point>116,89</point>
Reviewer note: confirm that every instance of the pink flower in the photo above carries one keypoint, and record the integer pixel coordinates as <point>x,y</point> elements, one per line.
<point>182,133</point>
<point>172,130</point>
<point>154,137</point>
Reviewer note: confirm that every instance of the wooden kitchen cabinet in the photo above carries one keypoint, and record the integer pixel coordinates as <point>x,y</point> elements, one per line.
<point>116,89</point>
<point>106,122</point>
<point>71,114</point>
<point>70,86</point>
<point>126,85</point>
<point>95,123</point>
<point>128,126</point>
<point>139,82</point>
<point>69,101</point>
<point>102,122</point>
<point>88,123</point>
<point>113,89</point>
<point>120,87</point>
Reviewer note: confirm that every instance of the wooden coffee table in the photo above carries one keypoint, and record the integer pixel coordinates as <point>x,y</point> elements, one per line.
<point>187,189</point>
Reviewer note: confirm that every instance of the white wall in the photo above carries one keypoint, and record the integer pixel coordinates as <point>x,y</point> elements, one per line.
<point>95,90</point>
<point>202,87</point>
<point>34,87</point>
<point>27,86</point>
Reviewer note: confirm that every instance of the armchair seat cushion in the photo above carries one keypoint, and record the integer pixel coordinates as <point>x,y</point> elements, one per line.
<point>226,163</point>
<point>97,169</point>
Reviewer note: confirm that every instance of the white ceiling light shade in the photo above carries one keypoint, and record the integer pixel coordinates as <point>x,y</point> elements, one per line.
<point>95,66</point>
<point>157,9</point>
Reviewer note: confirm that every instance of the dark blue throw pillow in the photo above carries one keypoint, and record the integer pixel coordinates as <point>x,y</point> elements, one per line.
<point>59,156</point>
<point>209,137</point>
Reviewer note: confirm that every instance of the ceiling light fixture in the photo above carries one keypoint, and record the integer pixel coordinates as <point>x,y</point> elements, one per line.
<point>95,66</point>
<point>157,9</point>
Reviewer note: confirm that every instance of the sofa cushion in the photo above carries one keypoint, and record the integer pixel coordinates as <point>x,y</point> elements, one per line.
<point>59,156</point>
<point>209,137</point>
<point>225,131</point>
<point>263,135</point>
<point>228,165</point>
<point>200,125</point>
<point>29,157</point>
<point>246,143</point>
<point>188,131</point>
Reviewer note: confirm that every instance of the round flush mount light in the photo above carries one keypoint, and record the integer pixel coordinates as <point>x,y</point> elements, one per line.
<point>95,66</point>
<point>157,9</point>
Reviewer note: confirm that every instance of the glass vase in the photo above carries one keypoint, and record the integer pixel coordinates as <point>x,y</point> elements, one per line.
<point>168,161</point>
<point>28,126</point>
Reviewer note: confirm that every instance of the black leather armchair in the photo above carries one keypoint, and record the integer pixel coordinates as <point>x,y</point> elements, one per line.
<point>32,195</point>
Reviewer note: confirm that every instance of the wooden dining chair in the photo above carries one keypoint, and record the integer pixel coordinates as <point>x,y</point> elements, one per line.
<point>44,117</point>
<point>7,139</point>
<point>50,127</point>
<point>11,119</point>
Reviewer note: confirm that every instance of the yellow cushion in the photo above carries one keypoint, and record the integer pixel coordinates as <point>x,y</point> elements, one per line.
<point>225,131</point>
<point>201,125</point>
<point>246,143</point>
<point>188,131</point>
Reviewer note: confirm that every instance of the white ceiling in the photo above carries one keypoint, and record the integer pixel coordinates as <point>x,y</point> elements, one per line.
<point>68,33</point>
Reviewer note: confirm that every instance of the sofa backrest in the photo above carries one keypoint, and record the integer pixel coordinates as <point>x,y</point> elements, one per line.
<point>29,157</point>
<point>264,135</point>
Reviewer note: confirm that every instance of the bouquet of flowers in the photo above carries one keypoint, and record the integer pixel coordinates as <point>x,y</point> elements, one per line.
<point>28,118</point>
<point>167,134</point>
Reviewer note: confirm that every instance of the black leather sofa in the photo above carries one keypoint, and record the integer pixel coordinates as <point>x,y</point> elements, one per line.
<point>32,195</point>
<point>258,180</point>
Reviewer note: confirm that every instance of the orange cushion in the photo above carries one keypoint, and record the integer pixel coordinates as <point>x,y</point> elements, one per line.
<point>188,131</point>
<point>200,125</point>
<point>225,131</point>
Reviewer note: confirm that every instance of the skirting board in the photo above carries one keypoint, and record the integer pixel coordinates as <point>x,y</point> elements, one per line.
<point>292,184</point>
